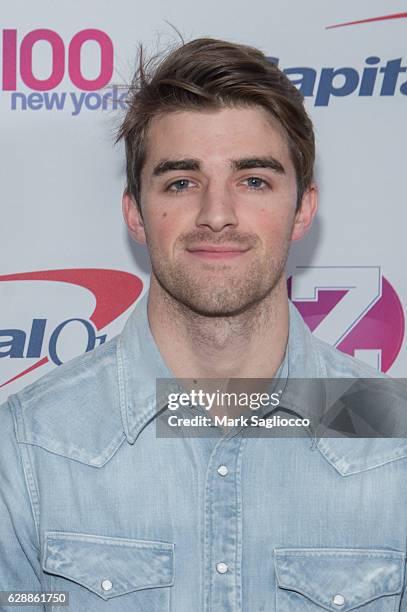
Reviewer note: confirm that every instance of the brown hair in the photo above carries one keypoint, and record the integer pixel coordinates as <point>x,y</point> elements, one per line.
<point>209,73</point>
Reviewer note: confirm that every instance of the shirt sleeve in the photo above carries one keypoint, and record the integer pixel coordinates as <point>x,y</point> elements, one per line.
<point>20,567</point>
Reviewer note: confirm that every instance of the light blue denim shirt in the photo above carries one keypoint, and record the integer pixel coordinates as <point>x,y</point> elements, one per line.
<point>94,503</point>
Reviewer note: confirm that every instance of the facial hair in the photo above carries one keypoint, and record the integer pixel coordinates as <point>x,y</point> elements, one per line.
<point>220,289</point>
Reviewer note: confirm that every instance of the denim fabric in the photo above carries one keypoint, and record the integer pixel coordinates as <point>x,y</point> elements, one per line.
<point>94,503</point>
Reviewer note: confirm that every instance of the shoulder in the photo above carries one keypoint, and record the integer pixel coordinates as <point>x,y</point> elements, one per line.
<point>75,409</point>
<point>374,405</point>
<point>75,379</point>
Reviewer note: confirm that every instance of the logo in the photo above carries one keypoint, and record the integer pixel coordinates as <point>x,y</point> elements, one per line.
<point>377,77</point>
<point>67,60</point>
<point>353,308</point>
<point>114,292</point>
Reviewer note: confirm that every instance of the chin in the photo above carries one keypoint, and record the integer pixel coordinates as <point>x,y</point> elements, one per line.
<point>224,297</point>
<point>222,306</point>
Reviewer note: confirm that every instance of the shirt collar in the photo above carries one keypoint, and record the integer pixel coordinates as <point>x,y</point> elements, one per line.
<point>301,393</point>
<point>140,363</point>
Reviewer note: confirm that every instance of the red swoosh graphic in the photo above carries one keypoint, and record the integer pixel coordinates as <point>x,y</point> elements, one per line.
<point>114,291</point>
<point>382,18</point>
<point>39,363</point>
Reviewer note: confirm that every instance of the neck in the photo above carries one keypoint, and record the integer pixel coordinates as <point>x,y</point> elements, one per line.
<point>248,345</point>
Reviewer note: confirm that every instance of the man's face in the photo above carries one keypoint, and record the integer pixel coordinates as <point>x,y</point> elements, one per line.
<point>218,197</point>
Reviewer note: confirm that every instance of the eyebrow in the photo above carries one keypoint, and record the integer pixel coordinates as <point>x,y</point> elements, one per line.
<point>246,163</point>
<point>258,162</point>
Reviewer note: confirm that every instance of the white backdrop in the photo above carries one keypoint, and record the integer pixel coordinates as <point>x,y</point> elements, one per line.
<point>62,178</point>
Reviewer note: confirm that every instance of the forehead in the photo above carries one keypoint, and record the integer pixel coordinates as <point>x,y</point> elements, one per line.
<point>216,135</point>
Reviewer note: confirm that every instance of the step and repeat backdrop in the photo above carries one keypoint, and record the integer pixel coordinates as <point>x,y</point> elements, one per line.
<point>69,273</point>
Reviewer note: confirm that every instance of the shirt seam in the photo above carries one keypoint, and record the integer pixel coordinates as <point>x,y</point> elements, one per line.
<point>29,478</point>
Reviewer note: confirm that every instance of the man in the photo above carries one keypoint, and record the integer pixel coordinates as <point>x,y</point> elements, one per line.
<point>97,497</point>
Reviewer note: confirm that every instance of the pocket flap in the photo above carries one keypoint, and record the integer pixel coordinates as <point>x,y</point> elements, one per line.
<point>337,578</point>
<point>109,566</point>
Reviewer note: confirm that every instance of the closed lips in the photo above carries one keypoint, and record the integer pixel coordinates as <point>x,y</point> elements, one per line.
<point>217,249</point>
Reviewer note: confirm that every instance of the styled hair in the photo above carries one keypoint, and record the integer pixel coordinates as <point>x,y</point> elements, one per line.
<point>207,73</point>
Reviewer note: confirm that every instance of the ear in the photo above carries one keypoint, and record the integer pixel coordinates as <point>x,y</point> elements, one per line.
<point>133,218</point>
<point>306,213</point>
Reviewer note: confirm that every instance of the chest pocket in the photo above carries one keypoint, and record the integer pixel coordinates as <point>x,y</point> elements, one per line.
<point>338,579</point>
<point>110,573</point>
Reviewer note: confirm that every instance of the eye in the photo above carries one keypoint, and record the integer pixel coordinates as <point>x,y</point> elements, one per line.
<point>256,183</point>
<point>179,185</point>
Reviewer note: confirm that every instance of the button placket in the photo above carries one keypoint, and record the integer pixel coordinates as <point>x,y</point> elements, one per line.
<point>223,526</point>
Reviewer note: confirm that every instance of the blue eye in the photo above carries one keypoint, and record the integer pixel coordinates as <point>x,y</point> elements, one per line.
<point>179,185</point>
<point>256,183</point>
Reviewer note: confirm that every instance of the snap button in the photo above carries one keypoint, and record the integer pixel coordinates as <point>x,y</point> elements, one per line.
<point>338,600</point>
<point>222,470</point>
<point>107,585</point>
<point>221,568</point>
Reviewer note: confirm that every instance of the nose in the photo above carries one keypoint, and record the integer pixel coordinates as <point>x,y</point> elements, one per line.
<point>217,210</point>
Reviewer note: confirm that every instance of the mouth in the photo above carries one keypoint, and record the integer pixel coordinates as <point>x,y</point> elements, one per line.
<point>216,252</point>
